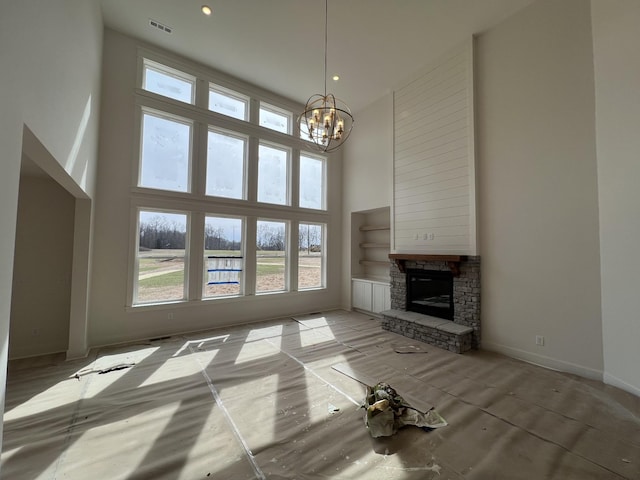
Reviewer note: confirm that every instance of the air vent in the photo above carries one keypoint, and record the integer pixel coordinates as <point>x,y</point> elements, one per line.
<point>159,26</point>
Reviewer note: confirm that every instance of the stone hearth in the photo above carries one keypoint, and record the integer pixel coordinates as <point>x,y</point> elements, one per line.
<point>459,335</point>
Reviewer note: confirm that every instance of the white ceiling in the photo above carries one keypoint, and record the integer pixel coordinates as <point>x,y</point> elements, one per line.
<point>279,44</point>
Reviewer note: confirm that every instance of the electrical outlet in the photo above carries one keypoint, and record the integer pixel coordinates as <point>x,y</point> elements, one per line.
<point>540,340</point>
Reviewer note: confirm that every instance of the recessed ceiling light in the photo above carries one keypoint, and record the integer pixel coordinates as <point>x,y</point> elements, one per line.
<point>336,78</point>
<point>206,9</point>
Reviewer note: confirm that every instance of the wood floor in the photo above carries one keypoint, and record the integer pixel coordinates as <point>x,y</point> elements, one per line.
<point>263,401</point>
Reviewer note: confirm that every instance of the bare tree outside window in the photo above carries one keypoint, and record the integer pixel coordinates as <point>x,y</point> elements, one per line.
<point>310,256</point>
<point>271,256</point>
<point>162,242</point>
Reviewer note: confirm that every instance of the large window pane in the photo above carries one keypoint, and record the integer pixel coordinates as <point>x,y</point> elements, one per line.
<point>162,242</point>
<point>165,153</point>
<point>273,166</point>
<point>225,165</point>
<point>310,256</point>
<point>271,256</point>
<point>312,182</point>
<point>228,102</point>
<point>224,264</point>
<point>274,118</point>
<point>168,82</point>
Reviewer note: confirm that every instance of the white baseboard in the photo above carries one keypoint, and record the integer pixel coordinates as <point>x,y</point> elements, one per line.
<point>621,384</point>
<point>544,361</point>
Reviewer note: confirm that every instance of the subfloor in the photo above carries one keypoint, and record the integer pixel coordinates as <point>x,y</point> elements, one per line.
<point>263,401</point>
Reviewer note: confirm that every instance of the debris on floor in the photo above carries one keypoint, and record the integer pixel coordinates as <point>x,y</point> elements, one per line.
<point>409,349</point>
<point>101,371</point>
<point>387,412</point>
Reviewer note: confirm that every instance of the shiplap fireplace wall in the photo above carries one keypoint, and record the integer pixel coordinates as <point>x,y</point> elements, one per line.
<point>434,197</point>
<point>434,209</point>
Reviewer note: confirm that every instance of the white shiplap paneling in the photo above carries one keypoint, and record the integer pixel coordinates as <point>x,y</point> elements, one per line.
<point>434,207</point>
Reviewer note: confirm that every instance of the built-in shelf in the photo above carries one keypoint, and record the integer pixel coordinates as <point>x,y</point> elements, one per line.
<point>375,245</point>
<point>370,264</point>
<point>373,262</point>
<point>369,228</point>
<point>452,260</point>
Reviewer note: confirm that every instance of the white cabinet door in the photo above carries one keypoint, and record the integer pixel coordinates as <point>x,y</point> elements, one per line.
<point>361,294</point>
<point>381,297</point>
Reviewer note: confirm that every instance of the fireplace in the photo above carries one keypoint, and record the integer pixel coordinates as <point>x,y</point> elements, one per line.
<point>430,292</point>
<point>454,288</point>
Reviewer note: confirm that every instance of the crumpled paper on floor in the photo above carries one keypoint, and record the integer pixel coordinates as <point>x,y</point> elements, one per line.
<point>387,412</point>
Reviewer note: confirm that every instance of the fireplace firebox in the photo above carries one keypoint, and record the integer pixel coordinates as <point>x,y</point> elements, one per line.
<point>430,292</point>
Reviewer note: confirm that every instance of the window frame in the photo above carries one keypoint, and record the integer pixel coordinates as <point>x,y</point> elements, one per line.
<point>323,256</point>
<point>228,92</point>
<point>197,204</point>
<point>150,64</point>
<point>323,160</point>
<point>136,263</point>
<point>165,115</point>
<point>267,107</point>
<point>243,252</point>
<point>245,161</point>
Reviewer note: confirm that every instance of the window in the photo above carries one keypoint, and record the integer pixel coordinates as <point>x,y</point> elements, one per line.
<point>273,175</point>
<point>275,118</point>
<point>271,256</point>
<point>223,256</point>
<point>226,160</point>
<point>165,155</point>
<point>310,256</point>
<point>312,180</point>
<point>208,174</point>
<point>168,82</point>
<point>160,259</point>
<point>228,102</point>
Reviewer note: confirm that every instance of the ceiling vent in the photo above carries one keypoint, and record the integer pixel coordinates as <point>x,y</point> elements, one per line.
<point>159,26</point>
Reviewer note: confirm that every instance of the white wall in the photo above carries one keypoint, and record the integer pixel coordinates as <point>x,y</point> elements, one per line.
<point>50,76</point>
<point>367,177</point>
<point>111,320</point>
<point>434,195</point>
<point>616,37</point>
<point>538,188</point>
<point>42,269</point>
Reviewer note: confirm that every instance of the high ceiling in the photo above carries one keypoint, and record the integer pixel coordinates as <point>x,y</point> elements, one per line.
<point>279,44</point>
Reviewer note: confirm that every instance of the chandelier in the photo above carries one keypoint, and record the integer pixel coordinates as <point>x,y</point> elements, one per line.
<point>326,120</point>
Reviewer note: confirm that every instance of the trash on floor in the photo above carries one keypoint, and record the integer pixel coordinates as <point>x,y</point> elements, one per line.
<point>409,349</point>
<point>101,371</point>
<point>387,412</point>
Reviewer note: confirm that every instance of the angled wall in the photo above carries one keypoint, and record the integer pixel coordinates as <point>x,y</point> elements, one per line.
<point>617,72</point>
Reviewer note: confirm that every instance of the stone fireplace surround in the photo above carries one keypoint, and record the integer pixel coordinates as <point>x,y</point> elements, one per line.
<point>459,335</point>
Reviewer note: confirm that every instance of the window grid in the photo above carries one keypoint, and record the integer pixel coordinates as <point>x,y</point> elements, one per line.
<point>239,149</point>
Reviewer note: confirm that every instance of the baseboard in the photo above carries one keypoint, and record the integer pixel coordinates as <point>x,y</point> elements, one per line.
<point>544,361</point>
<point>621,384</point>
<point>77,355</point>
